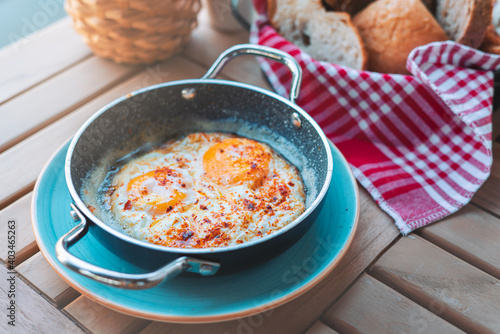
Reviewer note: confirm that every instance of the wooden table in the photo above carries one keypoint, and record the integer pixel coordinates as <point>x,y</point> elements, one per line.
<point>443,278</point>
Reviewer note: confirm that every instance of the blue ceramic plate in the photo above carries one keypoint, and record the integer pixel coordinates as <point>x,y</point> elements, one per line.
<point>202,299</point>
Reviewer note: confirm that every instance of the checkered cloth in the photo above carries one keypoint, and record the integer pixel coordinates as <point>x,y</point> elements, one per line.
<point>421,145</point>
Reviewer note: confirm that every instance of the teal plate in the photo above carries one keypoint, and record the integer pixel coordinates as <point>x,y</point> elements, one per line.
<point>202,299</point>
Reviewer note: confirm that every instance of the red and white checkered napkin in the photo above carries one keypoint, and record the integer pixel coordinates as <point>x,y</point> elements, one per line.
<point>420,145</point>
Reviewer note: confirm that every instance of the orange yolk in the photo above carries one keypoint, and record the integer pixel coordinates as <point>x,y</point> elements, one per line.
<point>155,190</point>
<point>236,161</point>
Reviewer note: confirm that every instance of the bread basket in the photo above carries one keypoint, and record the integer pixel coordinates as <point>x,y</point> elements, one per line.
<point>134,31</point>
<point>420,144</point>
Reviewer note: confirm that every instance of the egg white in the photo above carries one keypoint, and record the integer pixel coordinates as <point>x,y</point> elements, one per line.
<point>204,213</point>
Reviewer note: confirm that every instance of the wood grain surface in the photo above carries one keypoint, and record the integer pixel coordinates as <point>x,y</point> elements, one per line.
<point>443,279</point>
<point>437,280</point>
<point>41,275</point>
<point>20,212</point>
<point>459,235</point>
<point>33,313</point>
<point>39,56</point>
<point>320,328</point>
<point>99,319</point>
<point>57,97</point>
<point>371,306</point>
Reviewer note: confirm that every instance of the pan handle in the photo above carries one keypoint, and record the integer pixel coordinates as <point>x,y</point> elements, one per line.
<point>123,280</point>
<point>263,51</point>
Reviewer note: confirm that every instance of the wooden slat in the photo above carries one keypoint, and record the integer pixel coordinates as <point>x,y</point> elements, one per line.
<point>211,328</point>
<point>488,196</point>
<point>244,68</point>
<point>99,319</point>
<point>449,287</point>
<point>38,57</point>
<point>50,100</point>
<point>21,164</point>
<point>236,326</point>
<point>472,235</point>
<point>320,328</point>
<point>247,325</point>
<point>375,232</point>
<point>39,273</point>
<point>33,314</point>
<point>371,306</point>
<point>25,244</point>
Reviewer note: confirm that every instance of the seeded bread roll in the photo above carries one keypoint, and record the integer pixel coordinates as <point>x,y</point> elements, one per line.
<point>327,36</point>
<point>465,21</point>
<point>392,28</point>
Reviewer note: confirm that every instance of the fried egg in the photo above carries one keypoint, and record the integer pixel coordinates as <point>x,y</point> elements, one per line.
<point>205,190</point>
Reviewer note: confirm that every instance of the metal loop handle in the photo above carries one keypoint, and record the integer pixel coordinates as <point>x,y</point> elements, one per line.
<point>123,280</point>
<point>263,51</point>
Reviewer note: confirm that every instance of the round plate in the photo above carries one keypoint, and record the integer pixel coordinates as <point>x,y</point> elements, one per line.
<point>202,299</point>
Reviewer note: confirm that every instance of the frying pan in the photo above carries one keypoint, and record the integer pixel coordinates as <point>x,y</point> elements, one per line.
<point>168,110</point>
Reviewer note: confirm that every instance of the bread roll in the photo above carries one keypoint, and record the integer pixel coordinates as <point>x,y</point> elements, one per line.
<point>327,36</point>
<point>392,28</point>
<point>491,42</point>
<point>465,21</point>
<point>348,6</point>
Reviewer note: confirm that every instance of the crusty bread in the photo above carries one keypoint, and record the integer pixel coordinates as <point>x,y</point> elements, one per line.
<point>326,36</point>
<point>392,28</point>
<point>283,13</point>
<point>348,6</point>
<point>465,21</point>
<point>495,16</point>
<point>491,42</point>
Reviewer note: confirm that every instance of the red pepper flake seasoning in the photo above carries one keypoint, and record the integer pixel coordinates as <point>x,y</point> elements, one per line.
<point>224,217</point>
<point>283,190</point>
<point>248,204</point>
<point>91,208</point>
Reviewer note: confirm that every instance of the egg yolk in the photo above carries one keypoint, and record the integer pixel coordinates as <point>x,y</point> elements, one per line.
<point>155,190</point>
<point>236,161</point>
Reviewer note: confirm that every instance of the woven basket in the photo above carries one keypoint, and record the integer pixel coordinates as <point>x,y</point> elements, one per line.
<point>134,31</point>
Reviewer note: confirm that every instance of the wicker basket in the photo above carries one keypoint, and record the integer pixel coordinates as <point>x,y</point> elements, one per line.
<point>134,31</point>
